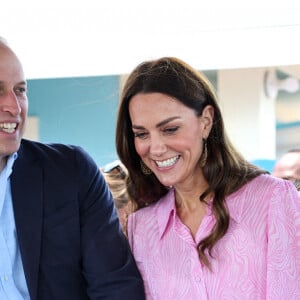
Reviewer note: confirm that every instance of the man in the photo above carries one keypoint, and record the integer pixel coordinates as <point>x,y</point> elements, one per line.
<point>60,237</point>
<point>288,167</point>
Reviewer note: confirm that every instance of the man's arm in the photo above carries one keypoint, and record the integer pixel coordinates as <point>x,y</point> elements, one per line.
<point>108,265</point>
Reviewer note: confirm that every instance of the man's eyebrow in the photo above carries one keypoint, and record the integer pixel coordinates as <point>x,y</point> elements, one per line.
<point>23,82</point>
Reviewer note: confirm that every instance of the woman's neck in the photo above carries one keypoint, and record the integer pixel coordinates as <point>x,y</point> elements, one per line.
<point>188,195</point>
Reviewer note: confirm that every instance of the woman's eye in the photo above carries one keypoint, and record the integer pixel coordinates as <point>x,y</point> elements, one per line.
<point>171,130</point>
<point>139,135</point>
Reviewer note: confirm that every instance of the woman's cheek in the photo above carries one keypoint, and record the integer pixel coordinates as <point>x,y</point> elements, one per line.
<point>140,148</point>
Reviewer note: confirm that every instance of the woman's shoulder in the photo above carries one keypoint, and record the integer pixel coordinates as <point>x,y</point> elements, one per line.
<point>152,214</point>
<point>264,183</point>
<point>259,194</point>
<point>152,209</point>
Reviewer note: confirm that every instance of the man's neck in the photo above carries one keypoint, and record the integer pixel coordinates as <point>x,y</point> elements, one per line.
<point>3,161</point>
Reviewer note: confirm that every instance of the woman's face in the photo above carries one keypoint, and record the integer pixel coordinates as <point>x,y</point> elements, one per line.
<point>168,136</point>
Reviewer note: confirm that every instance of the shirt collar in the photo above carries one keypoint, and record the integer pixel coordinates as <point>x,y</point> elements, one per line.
<point>9,164</point>
<point>167,209</point>
<point>11,160</point>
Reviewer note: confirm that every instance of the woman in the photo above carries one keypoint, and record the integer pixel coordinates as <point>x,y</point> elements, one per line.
<point>208,225</point>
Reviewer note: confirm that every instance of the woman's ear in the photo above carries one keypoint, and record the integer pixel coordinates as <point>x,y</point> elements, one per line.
<point>207,119</point>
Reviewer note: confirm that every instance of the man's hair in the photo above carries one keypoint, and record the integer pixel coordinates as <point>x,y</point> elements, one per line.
<point>294,150</point>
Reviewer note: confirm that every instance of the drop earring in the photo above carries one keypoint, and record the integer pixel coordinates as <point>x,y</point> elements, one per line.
<point>145,169</point>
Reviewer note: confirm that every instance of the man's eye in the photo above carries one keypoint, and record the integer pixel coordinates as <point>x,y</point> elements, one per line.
<point>20,90</point>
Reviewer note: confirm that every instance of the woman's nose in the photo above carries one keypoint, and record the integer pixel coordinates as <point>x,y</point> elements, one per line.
<point>157,146</point>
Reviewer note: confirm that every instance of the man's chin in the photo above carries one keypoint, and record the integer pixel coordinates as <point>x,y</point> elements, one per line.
<point>9,148</point>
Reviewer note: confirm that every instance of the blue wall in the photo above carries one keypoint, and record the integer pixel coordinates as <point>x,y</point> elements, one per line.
<point>79,111</point>
<point>266,164</point>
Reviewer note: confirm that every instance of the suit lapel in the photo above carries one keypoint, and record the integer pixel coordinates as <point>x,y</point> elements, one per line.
<point>26,185</point>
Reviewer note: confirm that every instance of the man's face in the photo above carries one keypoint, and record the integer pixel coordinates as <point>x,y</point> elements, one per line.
<point>288,166</point>
<point>13,103</point>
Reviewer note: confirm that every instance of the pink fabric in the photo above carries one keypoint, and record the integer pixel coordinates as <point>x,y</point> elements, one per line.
<point>259,257</point>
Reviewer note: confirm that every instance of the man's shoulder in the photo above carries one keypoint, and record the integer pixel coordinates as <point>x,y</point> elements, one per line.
<point>55,149</point>
<point>39,146</point>
<point>56,153</point>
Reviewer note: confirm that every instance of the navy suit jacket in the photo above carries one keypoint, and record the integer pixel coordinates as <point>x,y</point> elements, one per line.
<point>70,239</point>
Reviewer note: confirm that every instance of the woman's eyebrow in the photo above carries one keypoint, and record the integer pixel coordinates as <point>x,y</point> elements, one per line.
<point>167,121</point>
<point>159,124</point>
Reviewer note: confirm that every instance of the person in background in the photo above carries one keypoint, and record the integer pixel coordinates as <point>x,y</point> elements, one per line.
<point>60,237</point>
<point>115,174</point>
<point>288,167</point>
<point>208,224</point>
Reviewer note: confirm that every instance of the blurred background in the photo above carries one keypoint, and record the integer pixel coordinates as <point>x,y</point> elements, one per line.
<point>77,54</point>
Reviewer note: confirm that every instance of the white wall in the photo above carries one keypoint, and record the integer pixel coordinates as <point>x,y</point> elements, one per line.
<point>249,115</point>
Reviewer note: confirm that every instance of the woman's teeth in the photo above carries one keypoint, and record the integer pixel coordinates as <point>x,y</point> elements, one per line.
<point>168,162</point>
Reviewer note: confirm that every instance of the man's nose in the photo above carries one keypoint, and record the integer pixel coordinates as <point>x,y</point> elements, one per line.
<point>10,103</point>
